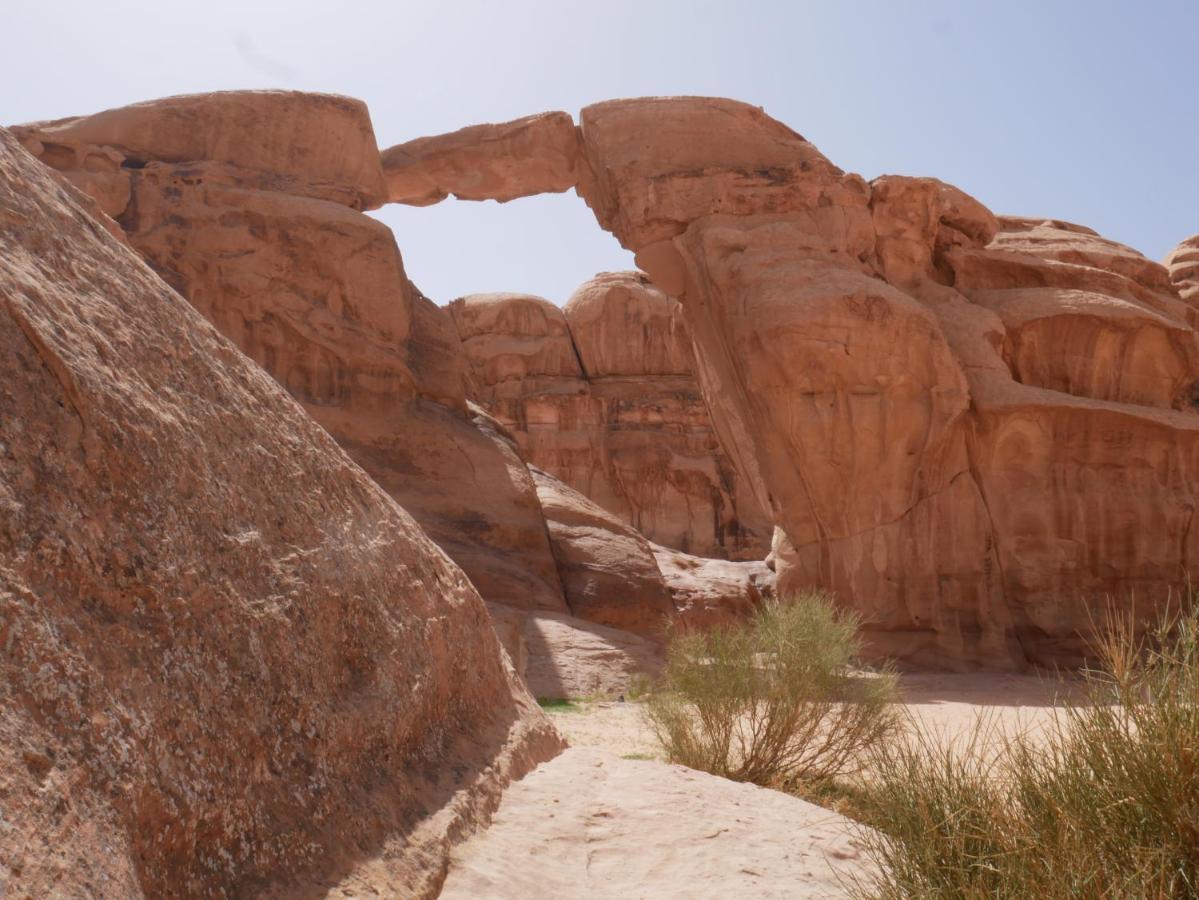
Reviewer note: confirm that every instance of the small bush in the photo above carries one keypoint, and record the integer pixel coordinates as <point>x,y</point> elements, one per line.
<point>774,700</point>
<point>1104,805</point>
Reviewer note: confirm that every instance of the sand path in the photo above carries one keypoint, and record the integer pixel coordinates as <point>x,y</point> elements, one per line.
<point>609,819</point>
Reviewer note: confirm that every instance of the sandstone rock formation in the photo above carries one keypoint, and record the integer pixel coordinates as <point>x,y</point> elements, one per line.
<point>232,664</point>
<point>603,395</point>
<point>609,573</point>
<point>707,592</point>
<point>973,429</point>
<point>257,226</point>
<point>312,145</point>
<point>315,292</point>
<point>1183,263</point>
<point>534,155</point>
<point>562,656</point>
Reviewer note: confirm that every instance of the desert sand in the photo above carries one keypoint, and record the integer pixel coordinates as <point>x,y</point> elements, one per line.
<point>590,824</point>
<point>610,818</point>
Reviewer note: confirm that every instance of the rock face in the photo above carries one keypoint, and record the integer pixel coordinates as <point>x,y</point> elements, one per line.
<point>561,656</point>
<point>608,570</point>
<point>973,429</point>
<point>708,592</point>
<point>940,455</point>
<point>315,292</point>
<point>603,395</point>
<point>312,145</point>
<point>233,665</point>
<point>257,226</point>
<point>1183,263</point>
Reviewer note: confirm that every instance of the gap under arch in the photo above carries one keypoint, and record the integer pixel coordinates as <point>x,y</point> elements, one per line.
<point>547,244</point>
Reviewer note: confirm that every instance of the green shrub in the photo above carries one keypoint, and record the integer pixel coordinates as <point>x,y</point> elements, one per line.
<point>1105,804</point>
<point>558,704</point>
<point>774,700</point>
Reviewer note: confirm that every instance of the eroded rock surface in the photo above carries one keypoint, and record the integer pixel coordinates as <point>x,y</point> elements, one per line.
<point>313,145</point>
<point>602,394</point>
<point>609,574</point>
<point>974,429</point>
<point>562,656</point>
<point>232,664</point>
<point>259,228</point>
<point>941,456</point>
<point>1183,264</point>
<point>533,155</point>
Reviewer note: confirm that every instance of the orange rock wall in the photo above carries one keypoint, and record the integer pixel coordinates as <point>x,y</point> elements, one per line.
<point>603,395</point>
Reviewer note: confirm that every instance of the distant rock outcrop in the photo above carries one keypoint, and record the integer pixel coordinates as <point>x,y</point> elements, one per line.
<point>232,665</point>
<point>603,395</point>
<point>972,429</point>
<point>1183,264</point>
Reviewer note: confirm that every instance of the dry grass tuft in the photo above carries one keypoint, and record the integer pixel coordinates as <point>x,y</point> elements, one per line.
<point>773,701</point>
<point>1103,805</point>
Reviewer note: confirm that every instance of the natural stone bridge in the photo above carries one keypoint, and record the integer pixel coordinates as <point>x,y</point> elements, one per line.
<point>972,428</point>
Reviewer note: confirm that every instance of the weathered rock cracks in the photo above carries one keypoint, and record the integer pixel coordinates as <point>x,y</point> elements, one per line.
<point>602,395</point>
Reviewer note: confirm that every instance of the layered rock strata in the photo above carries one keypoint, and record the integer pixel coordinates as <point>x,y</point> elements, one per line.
<point>603,395</point>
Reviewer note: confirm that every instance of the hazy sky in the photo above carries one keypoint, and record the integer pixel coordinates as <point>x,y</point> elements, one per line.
<point>1086,110</point>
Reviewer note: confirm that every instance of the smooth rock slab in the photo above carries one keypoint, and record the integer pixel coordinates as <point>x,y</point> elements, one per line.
<point>590,824</point>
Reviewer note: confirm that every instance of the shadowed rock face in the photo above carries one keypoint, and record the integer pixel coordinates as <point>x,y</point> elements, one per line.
<point>232,664</point>
<point>602,394</point>
<point>973,429</point>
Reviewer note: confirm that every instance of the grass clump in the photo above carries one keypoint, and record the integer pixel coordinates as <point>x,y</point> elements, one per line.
<point>772,701</point>
<point>558,705</point>
<point>1105,804</point>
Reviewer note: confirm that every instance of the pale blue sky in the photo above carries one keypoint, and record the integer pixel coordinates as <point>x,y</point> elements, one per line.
<point>1086,110</point>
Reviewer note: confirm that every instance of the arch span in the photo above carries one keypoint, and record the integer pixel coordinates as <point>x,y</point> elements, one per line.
<point>971,428</point>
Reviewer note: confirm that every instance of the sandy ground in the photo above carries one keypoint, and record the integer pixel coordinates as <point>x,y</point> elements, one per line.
<point>609,819</point>
<point>592,825</point>
<point>946,705</point>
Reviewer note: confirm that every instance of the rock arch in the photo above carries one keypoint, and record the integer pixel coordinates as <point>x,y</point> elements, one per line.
<point>973,428</point>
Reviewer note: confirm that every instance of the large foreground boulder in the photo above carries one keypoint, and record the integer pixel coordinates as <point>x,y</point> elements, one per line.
<point>248,203</point>
<point>232,665</point>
